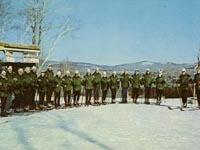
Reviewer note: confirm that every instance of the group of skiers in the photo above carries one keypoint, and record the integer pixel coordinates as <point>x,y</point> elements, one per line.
<point>24,84</point>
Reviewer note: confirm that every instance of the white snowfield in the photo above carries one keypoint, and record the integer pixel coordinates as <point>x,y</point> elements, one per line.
<point>109,127</point>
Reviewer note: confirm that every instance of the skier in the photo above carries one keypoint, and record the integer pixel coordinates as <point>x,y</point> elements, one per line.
<point>135,81</point>
<point>147,80</point>
<point>88,83</point>
<point>96,85</point>
<point>3,92</point>
<point>18,91</point>
<point>67,87</point>
<point>104,87</point>
<point>77,81</point>
<point>33,87</point>
<point>27,87</point>
<point>114,85</point>
<point>42,83</point>
<point>183,81</point>
<point>197,85</point>
<point>57,89</point>
<point>50,76</point>
<point>10,75</point>
<point>160,82</point>
<point>125,78</point>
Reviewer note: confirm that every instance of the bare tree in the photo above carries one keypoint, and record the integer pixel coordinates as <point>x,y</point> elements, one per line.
<point>36,27</point>
<point>5,17</point>
<point>32,16</point>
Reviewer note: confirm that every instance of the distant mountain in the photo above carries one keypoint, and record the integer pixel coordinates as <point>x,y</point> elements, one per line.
<point>154,66</point>
<point>169,68</point>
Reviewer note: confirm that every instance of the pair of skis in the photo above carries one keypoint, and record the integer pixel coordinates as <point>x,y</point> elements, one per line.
<point>183,109</point>
<point>30,112</point>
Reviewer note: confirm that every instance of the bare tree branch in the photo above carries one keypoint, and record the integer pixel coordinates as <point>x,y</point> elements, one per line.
<point>34,25</point>
<point>66,29</point>
<point>5,17</point>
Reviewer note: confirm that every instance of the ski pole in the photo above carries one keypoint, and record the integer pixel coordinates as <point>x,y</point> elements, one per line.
<point>179,95</point>
<point>194,93</point>
<point>82,96</point>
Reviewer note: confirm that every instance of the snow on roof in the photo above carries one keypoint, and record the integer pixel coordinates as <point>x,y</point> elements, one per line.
<point>18,47</point>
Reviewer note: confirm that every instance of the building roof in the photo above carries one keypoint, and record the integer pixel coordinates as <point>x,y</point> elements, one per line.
<point>18,47</point>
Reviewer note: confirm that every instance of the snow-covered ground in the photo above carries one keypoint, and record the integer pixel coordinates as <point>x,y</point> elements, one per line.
<point>119,126</point>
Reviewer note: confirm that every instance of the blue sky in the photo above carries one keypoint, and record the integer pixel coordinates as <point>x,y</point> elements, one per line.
<point>114,32</point>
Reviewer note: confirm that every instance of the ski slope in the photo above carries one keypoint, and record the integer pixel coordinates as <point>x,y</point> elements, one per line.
<point>109,127</point>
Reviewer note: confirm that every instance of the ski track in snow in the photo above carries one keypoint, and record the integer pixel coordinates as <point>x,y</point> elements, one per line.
<point>119,126</point>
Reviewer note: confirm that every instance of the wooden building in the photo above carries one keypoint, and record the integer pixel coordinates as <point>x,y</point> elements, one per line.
<point>29,54</point>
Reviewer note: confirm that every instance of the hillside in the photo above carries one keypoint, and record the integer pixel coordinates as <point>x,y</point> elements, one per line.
<point>170,68</point>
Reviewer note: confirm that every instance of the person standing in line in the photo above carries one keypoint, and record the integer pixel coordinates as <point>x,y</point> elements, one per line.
<point>114,85</point>
<point>67,88</point>
<point>160,84</point>
<point>57,89</point>
<point>135,81</point>
<point>33,87</point>
<point>10,76</point>
<point>96,85</point>
<point>88,83</point>
<point>3,92</point>
<point>184,80</point>
<point>18,91</point>
<point>197,85</point>
<point>105,81</point>
<point>147,80</point>
<point>27,87</point>
<point>50,76</point>
<point>125,78</point>
<point>76,83</point>
<point>42,83</point>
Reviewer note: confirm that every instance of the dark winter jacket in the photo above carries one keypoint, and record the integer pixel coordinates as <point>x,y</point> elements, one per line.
<point>10,77</point>
<point>67,83</point>
<point>125,81</point>
<point>96,79</point>
<point>135,80</point>
<point>28,81</point>
<point>114,82</point>
<point>3,86</point>
<point>34,79</point>
<point>197,81</point>
<point>42,82</point>
<point>18,84</point>
<point>148,80</point>
<point>77,81</point>
<point>160,82</point>
<point>88,82</point>
<point>105,82</point>
<point>57,84</point>
<point>184,81</point>
<point>50,77</point>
